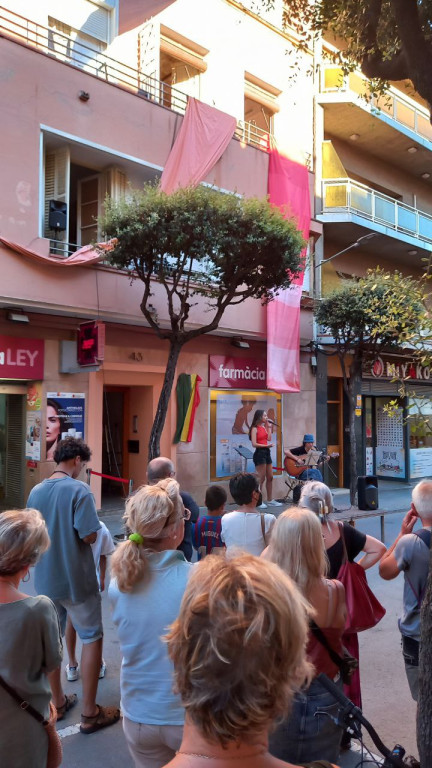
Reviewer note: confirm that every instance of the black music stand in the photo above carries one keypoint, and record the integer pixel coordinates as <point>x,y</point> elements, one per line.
<point>245,453</point>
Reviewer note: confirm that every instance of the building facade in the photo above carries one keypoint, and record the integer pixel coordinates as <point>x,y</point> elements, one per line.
<point>94,94</point>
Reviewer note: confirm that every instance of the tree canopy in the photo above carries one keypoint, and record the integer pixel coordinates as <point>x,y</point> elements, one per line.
<point>201,246</point>
<point>387,39</point>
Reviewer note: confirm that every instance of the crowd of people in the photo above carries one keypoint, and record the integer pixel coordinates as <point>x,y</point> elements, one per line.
<point>220,658</point>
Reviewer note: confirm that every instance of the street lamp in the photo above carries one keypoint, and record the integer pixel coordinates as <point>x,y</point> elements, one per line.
<point>348,248</point>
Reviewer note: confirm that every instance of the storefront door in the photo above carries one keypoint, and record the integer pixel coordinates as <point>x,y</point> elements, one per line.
<point>11,449</point>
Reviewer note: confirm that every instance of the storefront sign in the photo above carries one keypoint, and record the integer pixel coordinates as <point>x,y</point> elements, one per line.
<point>237,372</point>
<point>420,463</point>
<point>396,368</point>
<point>21,358</point>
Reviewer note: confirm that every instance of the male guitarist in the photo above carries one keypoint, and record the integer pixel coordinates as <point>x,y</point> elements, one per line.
<point>300,456</point>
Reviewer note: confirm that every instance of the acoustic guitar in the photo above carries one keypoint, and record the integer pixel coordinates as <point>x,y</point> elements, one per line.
<point>295,469</point>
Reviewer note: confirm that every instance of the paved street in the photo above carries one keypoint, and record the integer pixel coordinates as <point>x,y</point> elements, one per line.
<point>387,702</point>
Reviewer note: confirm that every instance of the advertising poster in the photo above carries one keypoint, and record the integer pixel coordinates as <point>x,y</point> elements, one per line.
<point>420,463</point>
<point>33,435</point>
<point>390,461</point>
<point>232,417</point>
<point>65,415</point>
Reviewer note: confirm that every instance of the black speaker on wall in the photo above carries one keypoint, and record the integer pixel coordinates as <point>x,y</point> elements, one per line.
<point>367,490</point>
<point>57,215</point>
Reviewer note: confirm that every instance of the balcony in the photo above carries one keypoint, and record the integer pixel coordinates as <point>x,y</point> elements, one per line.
<point>385,126</point>
<point>116,73</point>
<point>347,202</point>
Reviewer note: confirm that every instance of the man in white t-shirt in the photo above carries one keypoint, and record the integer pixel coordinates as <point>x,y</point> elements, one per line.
<point>246,528</point>
<point>101,549</point>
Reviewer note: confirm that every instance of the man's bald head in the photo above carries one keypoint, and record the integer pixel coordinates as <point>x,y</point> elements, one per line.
<point>159,469</point>
<point>422,500</point>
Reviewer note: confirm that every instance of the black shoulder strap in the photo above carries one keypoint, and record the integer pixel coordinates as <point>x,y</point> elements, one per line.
<point>320,636</point>
<point>425,535</point>
<point>22,703</point>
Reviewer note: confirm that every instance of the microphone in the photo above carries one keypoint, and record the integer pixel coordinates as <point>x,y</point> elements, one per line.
<point>270,421</point>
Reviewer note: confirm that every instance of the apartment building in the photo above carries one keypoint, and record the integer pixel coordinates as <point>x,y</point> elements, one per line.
<point>93,94</point>
<point>374,185</point>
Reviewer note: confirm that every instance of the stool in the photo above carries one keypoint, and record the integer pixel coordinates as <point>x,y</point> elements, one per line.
<point>292,483</point>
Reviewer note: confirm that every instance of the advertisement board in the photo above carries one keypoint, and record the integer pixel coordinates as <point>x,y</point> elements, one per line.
<point>65,416</point>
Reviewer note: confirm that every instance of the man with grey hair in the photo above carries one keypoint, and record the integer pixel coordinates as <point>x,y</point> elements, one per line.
<point>159,469</point>
<point>410,553</point>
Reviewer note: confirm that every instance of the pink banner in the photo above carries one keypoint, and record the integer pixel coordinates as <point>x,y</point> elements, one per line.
<point>203,137</point>
<point>84,257</point>
<point>288,188</point>
<point>236,372</point>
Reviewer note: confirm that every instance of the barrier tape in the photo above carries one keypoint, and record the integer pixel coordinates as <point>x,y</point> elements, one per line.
<point>109,477</point>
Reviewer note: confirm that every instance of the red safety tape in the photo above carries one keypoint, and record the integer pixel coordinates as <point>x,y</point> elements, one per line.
<point>109,477</point>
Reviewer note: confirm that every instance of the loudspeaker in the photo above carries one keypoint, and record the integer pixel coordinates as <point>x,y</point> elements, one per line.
<point>367,490</point>
<point>57,217</point>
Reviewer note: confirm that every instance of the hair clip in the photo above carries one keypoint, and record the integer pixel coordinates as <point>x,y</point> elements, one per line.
<point>136,538</point>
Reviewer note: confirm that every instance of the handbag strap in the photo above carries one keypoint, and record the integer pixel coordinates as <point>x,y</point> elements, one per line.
<point>345,552</point>
<point>263,530</point>
<point>22,703</point>
<point>320,636</point>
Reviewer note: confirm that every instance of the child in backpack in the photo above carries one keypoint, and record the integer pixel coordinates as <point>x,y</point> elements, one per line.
<point>206,534</point>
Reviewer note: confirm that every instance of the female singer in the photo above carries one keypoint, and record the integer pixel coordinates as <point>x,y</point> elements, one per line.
<point>260,437</point>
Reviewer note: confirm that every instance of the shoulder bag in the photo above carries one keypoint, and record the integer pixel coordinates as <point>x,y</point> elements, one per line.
<point>346,663</point>
<point>263,530</point>
<point>363,608</point>
<point>55,751</point>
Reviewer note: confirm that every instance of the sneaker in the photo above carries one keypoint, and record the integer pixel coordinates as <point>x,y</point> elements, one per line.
<point>72,673</point>
<point>102,670</point>
<point>262,506</point>
<point>274,503</point>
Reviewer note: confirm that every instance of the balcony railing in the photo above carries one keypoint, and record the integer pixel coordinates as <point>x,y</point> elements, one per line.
<point>392,104</point>
<point>96,63</point>
<point>344,195</point>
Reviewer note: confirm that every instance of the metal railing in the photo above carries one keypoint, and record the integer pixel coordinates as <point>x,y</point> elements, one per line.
<point>393,104</point>
<point>76,53</point>
<point>61,248</point>
<point>344,195</point>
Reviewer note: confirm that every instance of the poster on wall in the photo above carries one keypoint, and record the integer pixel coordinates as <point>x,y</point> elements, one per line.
<point>369,461</point>
<point>33,421</point>
<point>64,418</point>
<point>232,414</point>
<point>420,462</point>
<point>390,461</point>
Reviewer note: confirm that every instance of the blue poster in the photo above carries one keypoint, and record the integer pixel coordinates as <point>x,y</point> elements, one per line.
<point>65,415</point>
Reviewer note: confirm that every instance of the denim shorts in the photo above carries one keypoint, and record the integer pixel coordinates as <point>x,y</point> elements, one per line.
<point>262,456</point>
<point>309,732</point>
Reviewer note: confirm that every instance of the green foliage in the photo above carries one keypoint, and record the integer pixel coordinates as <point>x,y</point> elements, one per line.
<point>380,311</point>
<point>200,242</point>
<point>387,39</point>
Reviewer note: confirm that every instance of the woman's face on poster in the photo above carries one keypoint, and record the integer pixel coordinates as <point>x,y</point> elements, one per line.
<point>53,425</point>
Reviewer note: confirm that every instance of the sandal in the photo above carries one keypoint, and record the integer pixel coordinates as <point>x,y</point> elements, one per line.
<point>105,717</point>
<point>69,702</point>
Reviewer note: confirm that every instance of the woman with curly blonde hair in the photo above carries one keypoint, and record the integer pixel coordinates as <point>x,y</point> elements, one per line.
<point>149,577</point>
<point>238,648</point>
<point>31,645</point>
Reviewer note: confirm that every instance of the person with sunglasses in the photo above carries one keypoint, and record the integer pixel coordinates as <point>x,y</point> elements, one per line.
<point>149,576</point>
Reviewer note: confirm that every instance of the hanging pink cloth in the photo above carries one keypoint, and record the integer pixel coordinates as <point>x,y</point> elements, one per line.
<point>203,137</point>
<point>288,188</point>
<point>84,257</point>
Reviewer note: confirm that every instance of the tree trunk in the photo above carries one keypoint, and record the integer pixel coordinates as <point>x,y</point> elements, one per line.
<point>424,719</point>
<point>353,439</point>
<point>162,406</point>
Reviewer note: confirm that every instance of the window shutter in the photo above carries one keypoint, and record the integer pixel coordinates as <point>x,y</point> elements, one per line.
<point>57,166</point>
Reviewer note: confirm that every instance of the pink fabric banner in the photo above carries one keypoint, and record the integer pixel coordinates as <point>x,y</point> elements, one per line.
<point>288,188</point>
<point>203,137</point>
<point>84,257</point>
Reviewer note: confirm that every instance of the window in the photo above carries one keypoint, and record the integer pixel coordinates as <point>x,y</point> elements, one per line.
<point>83,31</point>
<point>260,103</point>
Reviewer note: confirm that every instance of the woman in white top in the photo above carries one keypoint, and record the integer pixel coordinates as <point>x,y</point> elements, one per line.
<point>246,528</point>
<point>149,578</point>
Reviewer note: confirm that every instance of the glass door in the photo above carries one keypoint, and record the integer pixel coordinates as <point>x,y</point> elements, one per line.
<point>390,444</point>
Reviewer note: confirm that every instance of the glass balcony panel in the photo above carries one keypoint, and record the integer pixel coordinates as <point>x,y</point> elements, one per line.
<point>357,83</point>
<point>407,219</point>
<point>425,227</point>
<point>336,196</point>
<point>424,127</point>
<point>385,211</point>
<point>361,200</point>
<point>405,114</point>
<point>385,104</point>
<point>333,78</point>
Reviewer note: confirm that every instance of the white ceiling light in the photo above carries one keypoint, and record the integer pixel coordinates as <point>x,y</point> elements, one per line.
<point>412,150</point>
<point>425,175</point>
<point>355,136</point>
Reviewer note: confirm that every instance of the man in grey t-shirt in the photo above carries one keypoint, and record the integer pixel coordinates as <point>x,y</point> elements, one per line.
<point>66,573</point>
<point>410,554</point>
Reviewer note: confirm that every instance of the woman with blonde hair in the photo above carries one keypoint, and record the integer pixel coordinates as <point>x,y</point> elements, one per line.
<point>31,645</point>
<point>339,537</point>
<point>238,648</point>
<point>297,546</point>
<point>149,577</point>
